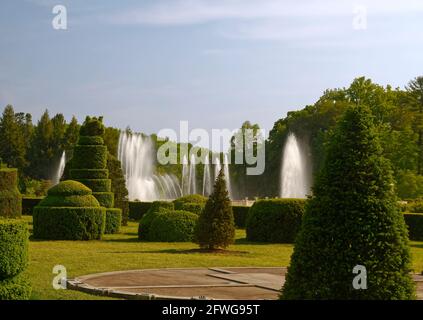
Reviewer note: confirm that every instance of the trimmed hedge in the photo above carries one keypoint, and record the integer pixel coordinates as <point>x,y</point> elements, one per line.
<point>275,220</point>
<point>105,199</point>
<point>137,209</point>
<point>89,173</point>
<point>414,222</point>
<point>90,140</point>
<point>13,247</point>
<point>69,201</point>
<point>92,127</point>
<point>240,215</point>
<point>10,197</point>
<point>16,288</point>
<point>92,157</point>
<point>28,204</point>
<point>53,223</point>
<point>173,226</point>
<point>192,198</point>
<point>113,220</point>
<point>196,208</point>
<point>156,208</point>
<point>97,185</point>
<point>69,188</point>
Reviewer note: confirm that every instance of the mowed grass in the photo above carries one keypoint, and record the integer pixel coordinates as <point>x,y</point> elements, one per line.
<point>124,252</point>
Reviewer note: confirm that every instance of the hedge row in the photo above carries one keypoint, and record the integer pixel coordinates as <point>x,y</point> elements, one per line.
<point>414,223</point>
<point>28,204</point>
<point>192,198</point>
<point>137,209</point>
<point>145,222</point>
<point>275,220</point>
<point>8,178</point>
<point>89,173</point>
<point>69,201</point>
<point>16,288</point>
<point>10,197</point>
<point>92,157</point>
<point>97,185</point>
<point>173,226</point>
<point>90,140</point>
<point>113,220</point>
<point>106,199</point>
<point>240,215</point>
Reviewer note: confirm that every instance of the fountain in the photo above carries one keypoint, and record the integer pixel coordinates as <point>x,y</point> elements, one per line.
<point>294,177</point>
<point>60,169</point>
<point>192,177</point>
<point>207,182</point>
<point>138,155</point>
<point>185,176</point>
<point>227,176</point>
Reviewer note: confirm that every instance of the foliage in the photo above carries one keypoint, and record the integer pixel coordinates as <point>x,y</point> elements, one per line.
<point>196,208</point>
<point>191,198</point>
<point>215,228</point>
<point>173,226</point>
<point>113,220</point>
<point>240,215</point>
<point>89,157</point>
<point>156,208</point>
<point>16,288</point>
<point>414,223</point>
<point>97,185</point>
<point>69,188</point>
<point>137,209</point>
<point>352,219</point>
<point>89,173</point>
<point>28,204</point>
<point>118,186</point>
<point>10,197</point>
<point>415,206</point>
<point>92,126</point>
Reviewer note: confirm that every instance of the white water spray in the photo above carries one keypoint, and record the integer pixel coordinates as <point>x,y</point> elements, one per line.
<point>192,176</point>
<point>60,169</point>
<point>207,182</point>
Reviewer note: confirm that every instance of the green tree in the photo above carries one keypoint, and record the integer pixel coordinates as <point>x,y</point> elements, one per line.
<point>12,140</point>
<point>118,186</point>
<point>215,228</point>
<point>352,219</point>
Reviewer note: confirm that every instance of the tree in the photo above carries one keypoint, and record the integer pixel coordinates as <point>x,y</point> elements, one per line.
<point>12,140</point>
<point>215,228</point>
<point>352,220</point>
<point>415,89</point>
<point>118,186</point>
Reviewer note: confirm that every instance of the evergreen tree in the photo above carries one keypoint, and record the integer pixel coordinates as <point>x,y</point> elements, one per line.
<point>352,219</point>
<point>118,186</point>
<point>71,135</point>
<point>12,140</point>
<point>215,228</point>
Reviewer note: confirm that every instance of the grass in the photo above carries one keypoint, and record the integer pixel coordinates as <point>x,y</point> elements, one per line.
<point>124,252</point>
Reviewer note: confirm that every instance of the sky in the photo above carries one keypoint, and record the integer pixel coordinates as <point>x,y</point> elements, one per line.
<point>149,64</point>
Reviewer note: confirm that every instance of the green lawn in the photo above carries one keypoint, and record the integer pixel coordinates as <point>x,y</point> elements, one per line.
<point>124,252</point>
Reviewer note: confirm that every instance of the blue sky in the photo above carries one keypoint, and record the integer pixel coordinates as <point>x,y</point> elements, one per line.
<point>148,64</point>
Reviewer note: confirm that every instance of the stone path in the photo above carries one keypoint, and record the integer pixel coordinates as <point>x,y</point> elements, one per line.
<point>195,283</point>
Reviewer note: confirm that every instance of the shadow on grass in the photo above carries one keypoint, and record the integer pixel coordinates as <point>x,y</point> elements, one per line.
<point>202,251</point>
<point>415,245</point>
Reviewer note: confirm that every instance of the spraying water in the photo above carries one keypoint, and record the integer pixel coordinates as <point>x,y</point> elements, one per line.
<point>294,182</point>
<point>192,176</point>
<point>207,182</point>
<point>227,176</point>
<point>137,154</point>
<point>185,176</point>
<point>60,169</point>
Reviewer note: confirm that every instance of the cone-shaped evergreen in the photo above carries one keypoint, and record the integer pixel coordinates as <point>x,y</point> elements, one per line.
<point>352,219</point>
<point>215,228</point>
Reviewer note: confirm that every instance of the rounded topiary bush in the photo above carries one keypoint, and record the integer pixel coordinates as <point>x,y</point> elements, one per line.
<point>92,127</point>
<point>10,197</point>
<point>15,288</point>
<point>191,198</point>
<point>113,220</point>
<point>69,212</point>
<point>173,226</point>
<point>275,220</point>
<point>156,208</point>
<point>13,247</point>
<point>196,208</point>
<point>90,140</point>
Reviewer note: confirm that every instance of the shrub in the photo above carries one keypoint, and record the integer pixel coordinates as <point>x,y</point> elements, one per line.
<point>105,199</point>
<point>173,226</point>
<point>137,209</point>
<point>89,157</point>
<point>352,219</point>
<point>89,173</point>
<point>16,288</point>
<point>69,188</point>
<point>240,215</point>
<point>69,201</point>
<point>196,208</point>
<point>90,140</point>
<point>92,127</point>
<point>275,220</point>
<point>215,227</point>
<point>156,208</point>
<point>191,198</point>
<point>415,206</point>
<point>118,186</point>
<point>414,223</point>
<point>13,247</point>
<point>10,197</point>
<point>97,185</point>
<point>28,204</point>
<point>113,220</point>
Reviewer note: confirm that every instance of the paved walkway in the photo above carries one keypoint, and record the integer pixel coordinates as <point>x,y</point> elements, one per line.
<point>195,283</point>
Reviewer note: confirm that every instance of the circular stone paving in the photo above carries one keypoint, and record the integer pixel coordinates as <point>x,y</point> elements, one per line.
<point>195,283</point>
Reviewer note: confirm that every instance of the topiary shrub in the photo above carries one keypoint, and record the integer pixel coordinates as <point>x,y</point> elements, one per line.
<point>275,220</point>
<point>98,185</point>
<point>118,187</point>
<point>172,226</point>
<point>137,209</point>
<point>106,199</point>
<point>352,219</point>
<point>196,208</point>
<point>13,247</point>
<point>89,173</point>
<point>16,288</point>
<point>92,126</point>
<point>156,208</point>
<point>28,204</point>
<point>240,215</point>
<point>191,198</point>
<point>10,197</point>
<point>90,140</point>
<point>89,157</point>
<point>215,228</point>
<point>69,212</point>
<point>414,223</point>
<point>113,220</point>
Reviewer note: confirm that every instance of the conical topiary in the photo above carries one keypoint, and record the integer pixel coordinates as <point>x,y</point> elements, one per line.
<point>10,197</point>
<point>352,220</point>
<point>216,228</point>
<point>89,166</point>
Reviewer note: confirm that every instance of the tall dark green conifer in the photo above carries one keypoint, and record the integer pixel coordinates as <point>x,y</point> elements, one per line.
<point>352,219</point>
<point>216,228</point>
